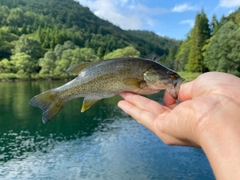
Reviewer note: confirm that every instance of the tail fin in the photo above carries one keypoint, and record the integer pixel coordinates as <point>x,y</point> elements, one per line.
<point>48,102</point>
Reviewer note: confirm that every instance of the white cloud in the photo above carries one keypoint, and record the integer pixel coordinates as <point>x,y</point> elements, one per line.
<point>229,3</point>
<point>183,7</point>
<point>160,34</point>
<point>189,21</point>
<point>230,12</point>
<point>127,14</point>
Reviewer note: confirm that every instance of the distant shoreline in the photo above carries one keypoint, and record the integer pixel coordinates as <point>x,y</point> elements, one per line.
<point>17,78</point>
<point>188,76</point>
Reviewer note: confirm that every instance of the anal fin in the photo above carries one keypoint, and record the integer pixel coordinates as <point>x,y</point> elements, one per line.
<point>87,103</point>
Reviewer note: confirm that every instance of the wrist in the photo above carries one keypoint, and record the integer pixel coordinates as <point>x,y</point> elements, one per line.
<point>219,137</point>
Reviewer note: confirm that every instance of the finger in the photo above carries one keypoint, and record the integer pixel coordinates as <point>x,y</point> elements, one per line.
<point>185,91</point>
<point>158,123</point>
<point>155,123</point>
<point>143,102</point>
<point>143,117</point>
<point>169,101</point>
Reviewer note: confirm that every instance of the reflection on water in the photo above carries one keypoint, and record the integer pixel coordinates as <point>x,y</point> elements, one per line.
<point>101,143</point>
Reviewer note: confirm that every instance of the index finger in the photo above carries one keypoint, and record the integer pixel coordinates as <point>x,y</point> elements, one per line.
<point>144,110</point>
<point>143,102</point>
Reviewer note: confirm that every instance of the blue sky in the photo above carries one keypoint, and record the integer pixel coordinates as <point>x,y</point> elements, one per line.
<point>171,18</point>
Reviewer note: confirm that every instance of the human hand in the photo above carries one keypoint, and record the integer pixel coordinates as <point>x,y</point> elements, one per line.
<point>204,102</point>
<point>207,117</point>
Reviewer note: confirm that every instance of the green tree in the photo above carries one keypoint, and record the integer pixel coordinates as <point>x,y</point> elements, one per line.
<point>30,17</point>
<point>223,52</point>
<point>87,55</point>
<point>70,57</point>
<point>6,45</point>
<point>182,55</point>
<point>28,46</point>
<point>4,12</point>
<point>100,52</point>
<point>15,17</point>
<point>13,29</point>
<point>47,63</point>
<point>169,60</point>
<point>22,63</point>
<point>214,25</point>
<point>199,34</point>
<point>123,53</point>
<point>64,62</point>
<point>206,46</point>
<point>24,29</point>
<point>60,48</point>
<point>5,66</point>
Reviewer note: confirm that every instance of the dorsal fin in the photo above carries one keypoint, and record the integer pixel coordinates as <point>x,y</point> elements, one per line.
<point>77,68</point>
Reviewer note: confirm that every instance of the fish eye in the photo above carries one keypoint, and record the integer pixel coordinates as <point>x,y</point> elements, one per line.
<point>172,75</point>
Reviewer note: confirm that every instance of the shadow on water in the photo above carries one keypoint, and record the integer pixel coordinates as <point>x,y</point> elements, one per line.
<point>101,143</point>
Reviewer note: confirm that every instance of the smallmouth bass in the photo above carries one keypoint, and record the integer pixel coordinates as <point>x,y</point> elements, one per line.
<point>104,79</point>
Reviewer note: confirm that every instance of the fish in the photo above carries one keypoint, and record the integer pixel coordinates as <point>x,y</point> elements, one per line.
<point>106,78</point>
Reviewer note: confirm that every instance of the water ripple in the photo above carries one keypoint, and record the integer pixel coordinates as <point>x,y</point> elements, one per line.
<point>128,152</point>
<point>101,143</point>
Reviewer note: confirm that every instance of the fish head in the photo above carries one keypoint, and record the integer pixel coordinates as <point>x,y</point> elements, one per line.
<point>174,83</point>
<point>159,79</point>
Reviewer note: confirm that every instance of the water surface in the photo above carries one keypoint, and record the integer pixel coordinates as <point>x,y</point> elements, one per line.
<point>101,143</point>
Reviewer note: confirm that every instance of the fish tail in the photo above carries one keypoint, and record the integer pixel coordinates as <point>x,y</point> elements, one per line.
<point>49,102</point>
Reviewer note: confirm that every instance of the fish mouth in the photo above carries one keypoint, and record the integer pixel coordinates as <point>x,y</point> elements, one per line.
<point>176,85</point>
<point>178,82</point>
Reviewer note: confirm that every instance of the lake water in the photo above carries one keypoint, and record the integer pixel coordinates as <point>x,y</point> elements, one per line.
<point>101,143</point>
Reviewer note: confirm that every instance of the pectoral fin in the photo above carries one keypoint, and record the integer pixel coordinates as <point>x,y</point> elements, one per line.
<point>150,76</point>
<point>87,103</point>
<point>135,83</point>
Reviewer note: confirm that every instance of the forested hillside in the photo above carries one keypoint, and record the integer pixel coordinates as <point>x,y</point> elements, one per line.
<point>43,38</point>
<point>211,45</point>
<point>46,37</point>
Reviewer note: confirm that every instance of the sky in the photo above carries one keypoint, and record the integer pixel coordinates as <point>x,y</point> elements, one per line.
<point>171,18</point>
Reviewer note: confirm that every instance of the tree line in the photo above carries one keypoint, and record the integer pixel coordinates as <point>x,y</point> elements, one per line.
<point>211,46</point>
<point>45,37</point>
